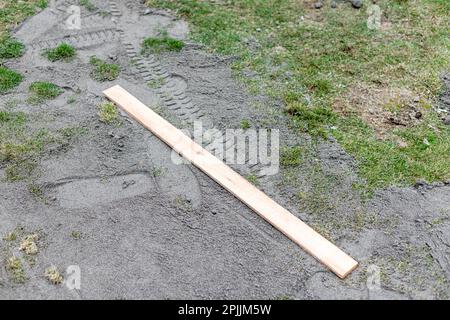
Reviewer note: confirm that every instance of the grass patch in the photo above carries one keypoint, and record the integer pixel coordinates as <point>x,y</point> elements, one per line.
<point>64,52</point>
<point>12,118</point>
<point>76,235</point>
<point>183,204</point>
<point>28,244</point>
<point>383,162</point>
<point>88,5</point>
<point>15,268</point>
<point>291,156</point>
<point>12,12</point>
<point>37,192</point>
<point>11,48</point>
<point>10,236</point>
<point>9,79</point>
<point>108,113</point>
<point>158,171</point>
<point>161,44</point>
<point>156,83</point>
<point>104,71</point>
<point>72,132</point>
<point>253,179</point>
<point>21,149</point>
<point>41,91</point>
<point>309,119</point>
<point>313,63</point>
<point>53,275</point>
<point>245,124</point>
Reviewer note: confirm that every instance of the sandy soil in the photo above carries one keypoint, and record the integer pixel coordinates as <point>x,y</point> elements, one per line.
<point>177,234</point>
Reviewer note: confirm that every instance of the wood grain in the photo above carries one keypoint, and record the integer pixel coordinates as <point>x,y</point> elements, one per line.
<point>295,229</point>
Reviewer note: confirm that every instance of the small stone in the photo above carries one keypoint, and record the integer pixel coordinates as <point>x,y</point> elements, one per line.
<point>318,5</point>
<point>447,120</point>
<point>426,142</point>
<point>147,11</point>
<point>418,115</point>
<point>356,4</point>
<point>333,4</point>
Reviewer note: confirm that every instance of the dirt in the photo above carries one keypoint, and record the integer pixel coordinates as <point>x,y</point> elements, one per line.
<point>383,109</point>
<point>147,228</point>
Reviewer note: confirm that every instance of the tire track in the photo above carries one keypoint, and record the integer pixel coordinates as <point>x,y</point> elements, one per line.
<point>79,41</point>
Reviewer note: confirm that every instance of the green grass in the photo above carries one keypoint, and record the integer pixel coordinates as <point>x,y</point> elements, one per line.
<point>41,91</point>
<point>161,44</point>
<point>322,64</point>
<point>64,52</point>
<point>104,71</point>
<point>12,118</point>
<point>384,162</point>
<point>309,119</point>
<point>12,12</point>
<point>253,179</point>
<point>9,79</point>
<point>108,113</point>
<point>21,149</point>
<point>291,156</point>
<point>245,124</point>
<point>11,48</point>
<point>88,5</point>
<point>156,83</point>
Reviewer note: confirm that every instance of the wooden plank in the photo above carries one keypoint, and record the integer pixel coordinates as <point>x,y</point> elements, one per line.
<point>295,229</point>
